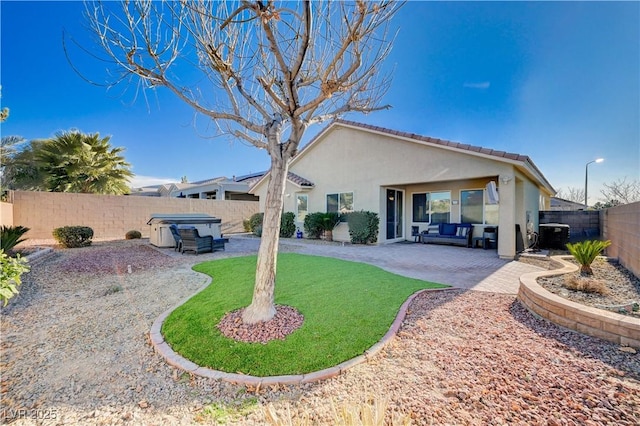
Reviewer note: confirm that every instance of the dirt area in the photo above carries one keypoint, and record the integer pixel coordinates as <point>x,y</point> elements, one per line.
<point>75,350</point>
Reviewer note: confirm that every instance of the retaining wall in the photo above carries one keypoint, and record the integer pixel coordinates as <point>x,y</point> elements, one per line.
<point>111,216</point>
<point>616,328</point>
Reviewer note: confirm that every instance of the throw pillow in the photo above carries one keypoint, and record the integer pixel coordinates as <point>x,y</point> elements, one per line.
<point>462,231</point>
<point>448,229</point>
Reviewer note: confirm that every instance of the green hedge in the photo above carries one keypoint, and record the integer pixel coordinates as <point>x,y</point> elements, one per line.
<point>287,224</point>
<point>73,236</point>
<point>313,225</point>
<point>132,235</point>
<point>363,227</point>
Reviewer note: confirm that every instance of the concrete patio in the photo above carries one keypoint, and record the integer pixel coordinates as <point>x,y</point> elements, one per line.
<point>474,269</point>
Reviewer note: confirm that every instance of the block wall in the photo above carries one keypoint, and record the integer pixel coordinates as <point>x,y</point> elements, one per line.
<point>621,225</point>
<point>6,214</point>
<point>111,216</point>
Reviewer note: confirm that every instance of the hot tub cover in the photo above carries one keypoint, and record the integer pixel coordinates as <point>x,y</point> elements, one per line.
<point>182,218</point>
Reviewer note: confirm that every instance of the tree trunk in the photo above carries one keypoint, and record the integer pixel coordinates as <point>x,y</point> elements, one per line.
<point>586,271</point>
<point>262,306</point>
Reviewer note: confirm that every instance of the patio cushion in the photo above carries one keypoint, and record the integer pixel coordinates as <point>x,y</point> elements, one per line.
<point>463,229</point>
<point>448,229</point>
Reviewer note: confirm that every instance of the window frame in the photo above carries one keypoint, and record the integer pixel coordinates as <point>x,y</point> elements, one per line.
<point>429,211</point>
<point>305,195</point>
<point>485,206</point>
<point>339,202</point>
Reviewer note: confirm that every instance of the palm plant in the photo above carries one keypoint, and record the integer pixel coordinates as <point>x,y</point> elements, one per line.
<point>329,221</point>
<point>585,253</point>
<point>77,162</point>
<point>10,236</point>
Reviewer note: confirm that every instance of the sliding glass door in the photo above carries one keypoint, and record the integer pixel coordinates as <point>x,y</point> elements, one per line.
<point>394,214</point>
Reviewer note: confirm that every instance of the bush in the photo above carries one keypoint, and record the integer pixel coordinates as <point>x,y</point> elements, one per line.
<point>255,221</point>
<point>73,236</point>
<point>287,225</point>
<point>12,269</point>
<point>363,227</point>
<point>246,225</point>
<point>585,253</point>
<point>313,225</point>
<point>10,237</point>
<point>132,235</point>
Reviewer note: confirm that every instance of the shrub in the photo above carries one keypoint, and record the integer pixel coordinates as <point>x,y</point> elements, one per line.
<point>363,227</point>
<point>255,221</point>
<point>132,235</point>
<point>313,225</point>
<point>73,236</point>
<point>287,225</point>
<point>585,253</point>
<point>12,269</point>
<point>587,285</point>
<point>246,225</point>
<point>10,237</point>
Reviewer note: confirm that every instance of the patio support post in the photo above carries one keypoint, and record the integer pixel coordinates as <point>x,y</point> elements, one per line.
<point>507,222</point>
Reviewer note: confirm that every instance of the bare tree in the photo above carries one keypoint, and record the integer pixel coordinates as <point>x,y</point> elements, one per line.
<point>621,191</point>
<point>572,194</point>
<point>267,71</point>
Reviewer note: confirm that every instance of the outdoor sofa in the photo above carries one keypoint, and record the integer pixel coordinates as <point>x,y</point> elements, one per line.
<point>458,234</point>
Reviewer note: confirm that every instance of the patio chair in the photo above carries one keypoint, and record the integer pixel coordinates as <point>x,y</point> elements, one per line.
<point>192,241</point>
<point>176,236</point>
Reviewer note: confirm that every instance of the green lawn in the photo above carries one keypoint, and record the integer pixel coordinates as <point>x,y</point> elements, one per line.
<point>347,307</point>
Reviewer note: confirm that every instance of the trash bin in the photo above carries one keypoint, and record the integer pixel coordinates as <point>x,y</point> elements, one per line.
<point>554,236</point>
<point>490,237</point>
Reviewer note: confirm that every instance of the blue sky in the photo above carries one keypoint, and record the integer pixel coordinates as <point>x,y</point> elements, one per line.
<point>558,81</point>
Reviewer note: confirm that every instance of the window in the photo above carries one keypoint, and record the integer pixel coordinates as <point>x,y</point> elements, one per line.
<point>302,201</point>
<point>440,207</point>
<point>341,203</point>
<point>421,207</point>
<point>475,208</point>
<point>432,207</point>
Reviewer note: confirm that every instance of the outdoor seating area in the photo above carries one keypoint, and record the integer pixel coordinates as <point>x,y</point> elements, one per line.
<point>191,240</point>
<point>458,234</point>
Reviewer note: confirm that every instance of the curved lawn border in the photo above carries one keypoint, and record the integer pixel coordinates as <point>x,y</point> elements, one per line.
<point>178,361</point>
<point>610,326</point>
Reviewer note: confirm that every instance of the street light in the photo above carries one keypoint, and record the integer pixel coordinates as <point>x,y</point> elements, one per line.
<point>586,178</point>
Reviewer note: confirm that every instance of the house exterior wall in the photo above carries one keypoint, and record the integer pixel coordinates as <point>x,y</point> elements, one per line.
<point>366,163</point>
<point>111,216</point>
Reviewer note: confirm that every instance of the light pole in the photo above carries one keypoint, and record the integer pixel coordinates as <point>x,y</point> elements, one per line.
<point>586,179</point>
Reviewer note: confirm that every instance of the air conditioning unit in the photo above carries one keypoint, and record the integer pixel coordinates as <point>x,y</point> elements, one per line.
<point>492,193</point>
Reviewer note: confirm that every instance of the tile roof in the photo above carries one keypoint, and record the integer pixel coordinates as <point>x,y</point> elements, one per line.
<point>299,180</point>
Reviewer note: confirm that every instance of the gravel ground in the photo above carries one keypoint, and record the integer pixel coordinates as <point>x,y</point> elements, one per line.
<point>75,347</point>
<point>623,288</point>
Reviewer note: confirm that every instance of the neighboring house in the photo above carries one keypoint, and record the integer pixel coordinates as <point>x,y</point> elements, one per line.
<point>412,181</point>
<point>559,204</point>
<point>220,188</point>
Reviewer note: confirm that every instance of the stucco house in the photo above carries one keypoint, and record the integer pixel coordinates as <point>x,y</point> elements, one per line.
<point>413,181</point>
<point>220,188</point>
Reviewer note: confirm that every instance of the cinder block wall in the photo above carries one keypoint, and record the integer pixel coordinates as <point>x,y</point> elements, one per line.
<point>111,216</point>
<point>583,225</point>
<point>621,225</point>
<point>6,214</point>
